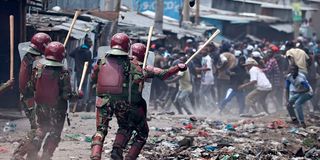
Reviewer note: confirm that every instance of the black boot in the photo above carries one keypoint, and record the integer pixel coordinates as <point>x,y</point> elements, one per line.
<point>116,154</point>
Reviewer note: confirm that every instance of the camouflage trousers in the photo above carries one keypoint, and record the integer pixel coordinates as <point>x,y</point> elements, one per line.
<point>130,117</point>
<point>50,120</point>
<point>29,108</point>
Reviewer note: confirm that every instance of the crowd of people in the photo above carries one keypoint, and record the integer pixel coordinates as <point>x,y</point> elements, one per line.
<point>253,72</point>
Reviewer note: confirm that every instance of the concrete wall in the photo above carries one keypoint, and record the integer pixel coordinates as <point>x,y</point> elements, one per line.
<point>283,14</point>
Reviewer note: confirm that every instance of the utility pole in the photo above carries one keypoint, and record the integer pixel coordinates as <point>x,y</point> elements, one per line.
<point>186,11</point>
<point>197,17</point>
<point>296,22</point>
<point>114,25</point>
<point>158,21</point>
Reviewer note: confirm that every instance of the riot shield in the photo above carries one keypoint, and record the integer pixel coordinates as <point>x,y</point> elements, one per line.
<point>102,50</point>
<point>147,85</point>
<point>23,49</point>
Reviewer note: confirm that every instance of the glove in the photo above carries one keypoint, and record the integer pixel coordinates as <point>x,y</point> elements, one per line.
<point>80,94</point>
<point>182,67</point>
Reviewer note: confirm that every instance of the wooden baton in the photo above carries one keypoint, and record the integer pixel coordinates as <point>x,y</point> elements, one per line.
<point>148,46</point>
<point>71,27</point>
<point>84,71</point>
<point>11,46</point>
<point>204,45</point>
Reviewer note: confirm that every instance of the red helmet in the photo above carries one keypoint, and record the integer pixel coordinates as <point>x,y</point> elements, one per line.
<point>55,51</point>
<point>39,41</point>
<point>138,50</point>
<point>120,41</point>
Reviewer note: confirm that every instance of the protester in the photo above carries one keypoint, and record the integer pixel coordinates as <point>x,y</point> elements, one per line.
<point>227,61</point>
<point>238,77</point>
<point>182,99</point>
<point>81,55</point>
<point>298,91</point>
<point>197,69</point>
<point>273,73</point>
<point>207,91</point>
<point>298,57</point>
<point>262,86</point>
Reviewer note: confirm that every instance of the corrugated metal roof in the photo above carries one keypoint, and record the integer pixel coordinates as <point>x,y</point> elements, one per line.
<point>109,15</point>
<point>55,23</point>
<point>233,17</point>
<point>288,28</point>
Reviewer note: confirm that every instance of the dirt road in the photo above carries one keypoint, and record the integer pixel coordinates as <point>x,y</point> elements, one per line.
<point>211,136</point>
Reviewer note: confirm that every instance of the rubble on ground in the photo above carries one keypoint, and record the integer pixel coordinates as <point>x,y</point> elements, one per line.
<point>245,139</point>
<point>183,137</point>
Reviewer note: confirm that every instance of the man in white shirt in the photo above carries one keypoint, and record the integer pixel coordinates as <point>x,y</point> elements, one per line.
<point>207,82</point>
<point>262,86</point>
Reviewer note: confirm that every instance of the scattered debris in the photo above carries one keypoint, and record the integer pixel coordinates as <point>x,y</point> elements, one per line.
<point>3,149</point>
<point>243,139</point>
<point>9,127</point>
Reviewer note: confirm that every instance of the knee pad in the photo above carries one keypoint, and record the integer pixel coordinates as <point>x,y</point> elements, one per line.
<point>96,146</point>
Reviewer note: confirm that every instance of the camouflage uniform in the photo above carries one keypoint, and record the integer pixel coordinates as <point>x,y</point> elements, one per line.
<point>37,47</point>
<point>26,96</point>
<point>52,88</point>
<point>109,104</point>
<point>51,117</point>
<point>137,114</point>
<point>34,52</point>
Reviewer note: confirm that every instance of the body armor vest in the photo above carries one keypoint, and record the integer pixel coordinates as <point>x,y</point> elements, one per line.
<point>112,76</point>
<point>47,85</point>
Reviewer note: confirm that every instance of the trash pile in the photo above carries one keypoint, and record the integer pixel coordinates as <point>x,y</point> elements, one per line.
<point>196,138</point>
